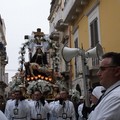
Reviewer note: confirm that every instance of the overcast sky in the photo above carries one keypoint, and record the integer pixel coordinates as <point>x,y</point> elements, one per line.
<point>21,17</point>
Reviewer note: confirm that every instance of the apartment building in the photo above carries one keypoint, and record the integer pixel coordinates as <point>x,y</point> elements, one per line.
<point>83,24</point>
<point>3,58</point>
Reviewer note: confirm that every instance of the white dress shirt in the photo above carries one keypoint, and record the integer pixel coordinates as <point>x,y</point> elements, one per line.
<point>2,116</point>
<point>19,112</point>
<point>80,108</point>
<point>66,111</point>
<point>109,106</point>
<point>39,111</point>
<point>52,105</point>
<point>6,107</point>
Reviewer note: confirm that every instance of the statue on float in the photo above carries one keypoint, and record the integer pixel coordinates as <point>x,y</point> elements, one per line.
<point>38,64</point>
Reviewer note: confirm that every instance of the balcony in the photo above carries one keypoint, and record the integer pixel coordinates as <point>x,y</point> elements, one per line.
<point>72,9</point>
<point>5,62</point>
<point>55,14</point>
<point>55,36</point>
<point>60,25</point>
<point>56,18</point>
<point>3,54</point>
<point>93,67</point>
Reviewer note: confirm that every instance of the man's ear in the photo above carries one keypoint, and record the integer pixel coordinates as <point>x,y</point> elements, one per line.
<point>117,74</point>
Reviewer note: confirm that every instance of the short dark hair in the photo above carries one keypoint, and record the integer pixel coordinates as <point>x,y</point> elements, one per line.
<point>114,56</point>
<point>37,90</point>
<point>64,89</point>
<point>18,91</point>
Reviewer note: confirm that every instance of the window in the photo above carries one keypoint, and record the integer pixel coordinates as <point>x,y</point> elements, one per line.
<point>77,63</point>
<point>94,30</point>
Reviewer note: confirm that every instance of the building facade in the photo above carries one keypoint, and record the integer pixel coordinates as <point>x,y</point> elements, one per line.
<point>83,24</point>
<point>3,58</point>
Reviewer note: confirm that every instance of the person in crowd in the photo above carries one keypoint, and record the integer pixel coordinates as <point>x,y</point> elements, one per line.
<point>86,109</point>
<point>39,107</point>
<point>80,107</point>
<point>56,91</point>
<point>65,108</point>
<point>11,96</point>
<point>10,99</point>
<point>18,109</point>
<point>2,103</point>
<point>2,116</point>
<point>95,95</point>
<point>52,106</point>
<point>109,75</point>
<point>30,99</point>
<point>75,98</point>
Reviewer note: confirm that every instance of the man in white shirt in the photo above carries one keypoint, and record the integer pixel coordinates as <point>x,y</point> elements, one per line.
<point>18,109</point>
<point>80,108</point>
<point>65,108</point>
<point>109,74</point>
<point>52,105</point>
<point>2,116</point>
<point>11,98</point>
<point>39,107</point>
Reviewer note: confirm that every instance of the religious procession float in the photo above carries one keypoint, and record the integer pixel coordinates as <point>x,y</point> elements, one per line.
<point>40,71</point>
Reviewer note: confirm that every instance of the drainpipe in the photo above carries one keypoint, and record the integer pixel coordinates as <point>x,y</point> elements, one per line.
<point>70,78</point>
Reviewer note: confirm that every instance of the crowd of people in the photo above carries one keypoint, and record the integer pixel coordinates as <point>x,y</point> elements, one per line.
<point>37,108</point>
<point>104,99</point>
